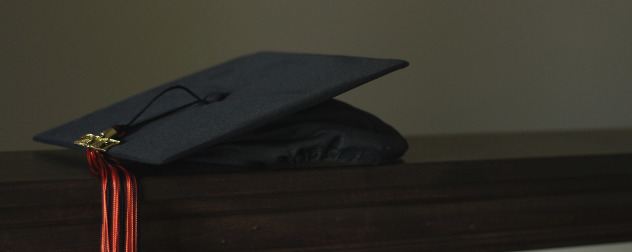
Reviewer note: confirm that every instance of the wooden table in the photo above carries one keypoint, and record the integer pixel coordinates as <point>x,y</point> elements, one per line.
<point>491,192</point>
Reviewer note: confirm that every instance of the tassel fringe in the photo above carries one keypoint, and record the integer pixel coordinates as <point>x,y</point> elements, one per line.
<point>112,186</point>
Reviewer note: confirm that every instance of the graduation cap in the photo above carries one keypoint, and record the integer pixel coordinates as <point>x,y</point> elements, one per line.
<point>265,109</point>
<point>248,109</point>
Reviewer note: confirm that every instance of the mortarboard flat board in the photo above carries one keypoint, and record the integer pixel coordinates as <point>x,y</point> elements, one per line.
<point>241,96</point>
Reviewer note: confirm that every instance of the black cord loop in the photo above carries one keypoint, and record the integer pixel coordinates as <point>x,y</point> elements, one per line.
<point>122,129</point>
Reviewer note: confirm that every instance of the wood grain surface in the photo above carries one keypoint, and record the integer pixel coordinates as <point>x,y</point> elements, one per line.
<point>515,201</point>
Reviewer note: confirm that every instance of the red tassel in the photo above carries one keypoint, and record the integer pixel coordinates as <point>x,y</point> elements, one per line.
<point>108,170</point>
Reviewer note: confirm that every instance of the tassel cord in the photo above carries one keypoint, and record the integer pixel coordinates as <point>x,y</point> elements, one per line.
<point>109,170</point>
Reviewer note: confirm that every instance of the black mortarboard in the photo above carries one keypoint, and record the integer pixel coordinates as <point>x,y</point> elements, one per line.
<point>258,109</point>
<point>265,108</point>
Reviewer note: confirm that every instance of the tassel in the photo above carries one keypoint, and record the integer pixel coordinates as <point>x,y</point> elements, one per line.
<point>110,171</point>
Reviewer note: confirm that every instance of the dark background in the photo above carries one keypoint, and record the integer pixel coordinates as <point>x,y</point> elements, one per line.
<point>476,66</point>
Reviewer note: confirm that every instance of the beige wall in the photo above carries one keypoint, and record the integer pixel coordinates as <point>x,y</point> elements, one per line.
<point>476,66</point>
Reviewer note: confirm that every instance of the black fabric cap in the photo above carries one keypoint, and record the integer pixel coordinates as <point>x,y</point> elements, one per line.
<point>245,95</point>
<point>331,131</point>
